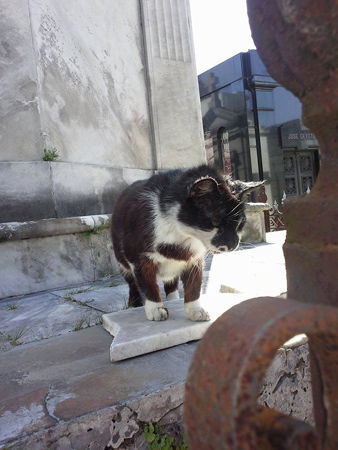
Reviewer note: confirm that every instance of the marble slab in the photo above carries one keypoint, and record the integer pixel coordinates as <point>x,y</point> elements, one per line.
<point>42,316</point>
<point>135,335</point>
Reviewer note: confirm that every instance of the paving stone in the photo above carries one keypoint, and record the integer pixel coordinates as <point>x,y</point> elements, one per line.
<point>42,316</point>
<point>106,299</point>
<point>135,335</point>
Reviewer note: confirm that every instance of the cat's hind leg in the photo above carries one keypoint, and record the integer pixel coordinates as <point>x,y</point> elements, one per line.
<point>145,275</point>
<point>135,298</point>
<point>171,289</point>
<point>192,282</point>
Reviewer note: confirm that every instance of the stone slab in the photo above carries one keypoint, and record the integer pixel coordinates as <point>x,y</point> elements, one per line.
<point>43,316</point>
<point>135,335</point>
<point>106,299</point>
<point>67,382</point>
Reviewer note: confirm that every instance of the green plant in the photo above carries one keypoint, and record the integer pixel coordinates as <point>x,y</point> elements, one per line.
<point>69,298</point>
<point>12,306</point>
<point>79,291</point>
<point>97,229</point>
<point>14,339</point>
<point>82,323</point>
<point>50,154</point>
<point>113,284</point>
<point>98,321</point>
<point>161,441</point>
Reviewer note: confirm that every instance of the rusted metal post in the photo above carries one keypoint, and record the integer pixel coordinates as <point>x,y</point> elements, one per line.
<point>298,42</point>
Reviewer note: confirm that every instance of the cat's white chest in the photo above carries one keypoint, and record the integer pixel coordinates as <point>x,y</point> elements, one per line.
<point>168,269</point>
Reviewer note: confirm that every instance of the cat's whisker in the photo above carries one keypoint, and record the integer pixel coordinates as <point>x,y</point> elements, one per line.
<point>237,206</point>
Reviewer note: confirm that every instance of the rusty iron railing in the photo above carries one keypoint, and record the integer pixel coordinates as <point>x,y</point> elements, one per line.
<point>298,42</point>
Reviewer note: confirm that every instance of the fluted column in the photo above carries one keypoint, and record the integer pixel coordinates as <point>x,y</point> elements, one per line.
<point>173,88</point>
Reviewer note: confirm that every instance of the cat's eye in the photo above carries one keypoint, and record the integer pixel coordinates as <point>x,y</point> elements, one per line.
<point>215,223</point>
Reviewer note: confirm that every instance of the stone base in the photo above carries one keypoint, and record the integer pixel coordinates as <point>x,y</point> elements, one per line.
<point>54,253</point>
<point>254,230</point>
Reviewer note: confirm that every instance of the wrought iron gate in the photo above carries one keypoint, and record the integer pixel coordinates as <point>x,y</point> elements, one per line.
<point>300,172</point>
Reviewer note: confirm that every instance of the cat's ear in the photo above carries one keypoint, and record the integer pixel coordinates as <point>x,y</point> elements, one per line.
<point>202,187</point>
<point>240,189</point>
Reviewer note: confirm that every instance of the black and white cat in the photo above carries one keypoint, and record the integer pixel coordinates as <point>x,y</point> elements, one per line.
<point>163,227</point>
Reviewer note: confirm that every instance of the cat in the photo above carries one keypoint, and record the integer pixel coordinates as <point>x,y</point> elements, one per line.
<point>163,227</point>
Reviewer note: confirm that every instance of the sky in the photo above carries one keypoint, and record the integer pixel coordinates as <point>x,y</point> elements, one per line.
<point>220,29</point>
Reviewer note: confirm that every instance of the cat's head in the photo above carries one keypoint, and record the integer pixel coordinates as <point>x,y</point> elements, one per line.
<point>215,207</point>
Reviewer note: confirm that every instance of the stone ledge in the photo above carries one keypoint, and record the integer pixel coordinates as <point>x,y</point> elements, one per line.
<point>12,231</point>
<point>65,393</point>
<point>257,207</point>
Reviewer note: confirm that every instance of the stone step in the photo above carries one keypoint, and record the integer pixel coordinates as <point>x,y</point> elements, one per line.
<point>66,390</point>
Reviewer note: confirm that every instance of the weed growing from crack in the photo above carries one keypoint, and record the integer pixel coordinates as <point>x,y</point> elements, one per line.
<point>79,291</point>
<point>12,306</point>
<point>14,339</point>
<point>69,298</point>
<point>84,322</point>
<point>87,322</point>
<point>113,284</point>
<point>50,154</point>
<point>98,321</point>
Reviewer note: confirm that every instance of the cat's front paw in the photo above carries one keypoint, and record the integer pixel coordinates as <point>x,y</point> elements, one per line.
<point>155,311</point>
<point>195,311</point>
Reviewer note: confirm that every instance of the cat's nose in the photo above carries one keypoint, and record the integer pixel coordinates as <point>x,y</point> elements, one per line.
<point>223,249</point>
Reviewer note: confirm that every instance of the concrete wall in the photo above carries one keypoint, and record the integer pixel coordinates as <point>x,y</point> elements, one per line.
<point>110,84</point>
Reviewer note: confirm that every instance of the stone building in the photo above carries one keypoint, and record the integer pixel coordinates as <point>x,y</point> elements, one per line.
<point>112,87</point>
<point>253,127</point>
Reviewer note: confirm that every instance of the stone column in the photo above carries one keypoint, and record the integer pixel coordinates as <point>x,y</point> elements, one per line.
<point>173,89</point>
